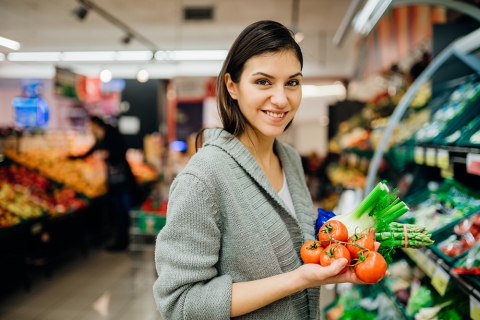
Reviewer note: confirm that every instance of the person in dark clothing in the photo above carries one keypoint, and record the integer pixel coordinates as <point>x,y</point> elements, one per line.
<point>421,65</point>
<point>109,143</point>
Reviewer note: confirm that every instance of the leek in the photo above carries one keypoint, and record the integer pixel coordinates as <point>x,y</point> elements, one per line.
<point>377,210</point>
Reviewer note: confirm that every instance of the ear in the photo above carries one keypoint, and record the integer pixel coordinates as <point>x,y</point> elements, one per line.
<point>231,86</point>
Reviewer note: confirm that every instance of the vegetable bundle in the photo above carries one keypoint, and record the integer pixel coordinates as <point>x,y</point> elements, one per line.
<point>379,210</point>
<point>350,236</point>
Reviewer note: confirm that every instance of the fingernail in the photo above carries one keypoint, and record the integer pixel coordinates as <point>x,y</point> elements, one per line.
<point>342,262</point>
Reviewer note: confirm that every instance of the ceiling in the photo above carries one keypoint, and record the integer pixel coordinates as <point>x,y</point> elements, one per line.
<point>49,25</point>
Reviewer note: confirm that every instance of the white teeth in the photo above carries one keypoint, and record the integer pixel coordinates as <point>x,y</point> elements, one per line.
<point>275,115</point>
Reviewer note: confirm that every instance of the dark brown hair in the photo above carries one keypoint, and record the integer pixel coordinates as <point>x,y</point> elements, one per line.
<point>256,39</point>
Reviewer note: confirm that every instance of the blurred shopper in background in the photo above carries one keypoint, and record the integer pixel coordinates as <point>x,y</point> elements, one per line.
<point>240,210</point>
<point>418,67</point>
<point>110,145</point>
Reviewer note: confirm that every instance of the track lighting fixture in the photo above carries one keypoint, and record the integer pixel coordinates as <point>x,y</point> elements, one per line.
<point>81,12</point>
<point>127,38</point>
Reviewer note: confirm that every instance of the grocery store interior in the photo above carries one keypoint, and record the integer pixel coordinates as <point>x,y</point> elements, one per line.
<point>390,97</point>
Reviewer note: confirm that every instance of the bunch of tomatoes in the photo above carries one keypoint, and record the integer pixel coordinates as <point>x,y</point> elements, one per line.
<point>359,250</point>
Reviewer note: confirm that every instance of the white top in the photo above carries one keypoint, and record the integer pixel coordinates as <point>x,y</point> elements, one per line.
<point>284,193</point>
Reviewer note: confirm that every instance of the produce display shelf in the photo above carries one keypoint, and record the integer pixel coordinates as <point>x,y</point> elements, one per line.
<point>441,274</point>
<point>400,308</point>
<point>453,149</point>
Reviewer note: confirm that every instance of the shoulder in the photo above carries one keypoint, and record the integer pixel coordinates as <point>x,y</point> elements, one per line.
<point>207,165</point>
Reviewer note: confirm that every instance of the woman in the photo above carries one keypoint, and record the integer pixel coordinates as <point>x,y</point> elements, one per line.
<point>240,210</point>
<point>110,145</point>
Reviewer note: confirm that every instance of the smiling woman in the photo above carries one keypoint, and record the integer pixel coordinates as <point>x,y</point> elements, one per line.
<point>240,211</point>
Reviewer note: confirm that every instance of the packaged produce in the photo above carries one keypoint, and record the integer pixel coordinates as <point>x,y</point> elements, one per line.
<point>466,234</point>
<point>470,264</point>
<point>458,102</point>
<point>443,206</point>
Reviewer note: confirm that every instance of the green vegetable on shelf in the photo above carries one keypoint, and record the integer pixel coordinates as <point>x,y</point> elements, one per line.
<point>357,314</point>
<point>420,297</point>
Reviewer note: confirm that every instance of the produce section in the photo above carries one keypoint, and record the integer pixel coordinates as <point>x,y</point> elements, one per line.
<point>429,151</point>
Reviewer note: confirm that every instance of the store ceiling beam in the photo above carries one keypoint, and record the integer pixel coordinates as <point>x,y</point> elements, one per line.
<point>132,34</point>
<point>346,22</point>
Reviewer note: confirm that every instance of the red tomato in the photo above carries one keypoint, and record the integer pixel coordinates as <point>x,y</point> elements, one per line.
<point>334,252</point>
<point>360,242</point>
<point>372,267</point>
<point>310,252</point>
<point>332,229</point>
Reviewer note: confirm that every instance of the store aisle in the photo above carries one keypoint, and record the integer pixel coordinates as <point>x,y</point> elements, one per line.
<point>98,287</point>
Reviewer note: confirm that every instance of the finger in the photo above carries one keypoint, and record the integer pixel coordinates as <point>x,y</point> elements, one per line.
<point>372,233</point>
<point>377,245</point>
<point>335,267</point>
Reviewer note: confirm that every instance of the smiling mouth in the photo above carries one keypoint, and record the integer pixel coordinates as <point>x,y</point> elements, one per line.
<point>275,115</point>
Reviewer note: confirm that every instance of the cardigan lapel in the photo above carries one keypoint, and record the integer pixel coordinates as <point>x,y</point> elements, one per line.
<point>300,194</point>
<point>236,149</point>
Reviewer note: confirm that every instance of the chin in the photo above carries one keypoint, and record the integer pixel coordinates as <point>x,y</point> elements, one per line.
<point>273,133</point>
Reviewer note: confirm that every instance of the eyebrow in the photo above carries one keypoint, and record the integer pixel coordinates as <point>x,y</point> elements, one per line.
<point>272,77</point>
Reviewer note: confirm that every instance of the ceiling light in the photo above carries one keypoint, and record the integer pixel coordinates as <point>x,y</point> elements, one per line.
<point>142,76</point>
<point>8,43</point>
<point>81,12</point>
<point>2,56</point>
<point>370,14</point>
<point>192,55</point>
<point>105,76</point>
<point>34,56</point>
<point>299,36</point>
<point>134,55</point>
<point>89,56</point>
<point>323,91</point>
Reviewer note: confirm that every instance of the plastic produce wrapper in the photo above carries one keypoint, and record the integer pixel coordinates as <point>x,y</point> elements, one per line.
<point>322,217</point>
<point>470,264</point>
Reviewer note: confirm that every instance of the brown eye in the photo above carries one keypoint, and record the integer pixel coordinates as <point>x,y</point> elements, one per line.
<point>263,82</point>
<point>293,83</point>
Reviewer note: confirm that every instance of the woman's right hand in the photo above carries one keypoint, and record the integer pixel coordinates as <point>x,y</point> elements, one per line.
<point>316,275</point>
<point>313,275</point>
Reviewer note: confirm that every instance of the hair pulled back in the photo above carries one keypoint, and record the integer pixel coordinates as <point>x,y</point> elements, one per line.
<point>258,38</point>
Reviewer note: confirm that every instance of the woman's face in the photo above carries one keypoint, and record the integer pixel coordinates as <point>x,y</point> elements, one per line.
<point>269,91</point>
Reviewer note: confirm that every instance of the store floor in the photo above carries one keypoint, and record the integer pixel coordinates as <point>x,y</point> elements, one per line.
<point>98,287</point>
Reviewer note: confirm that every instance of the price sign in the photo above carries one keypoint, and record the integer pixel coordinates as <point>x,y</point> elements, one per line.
<point>447,172</point>
<point>411,253</point>
<point>419,155</point>
<point>431,157</point>
<point>474,308</point>
<point>473,163</point>
<point>443,159</point>
<point>440,280</point>
<point>430,267</point>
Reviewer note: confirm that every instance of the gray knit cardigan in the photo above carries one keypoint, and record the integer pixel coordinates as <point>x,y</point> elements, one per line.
<point>226,224</point>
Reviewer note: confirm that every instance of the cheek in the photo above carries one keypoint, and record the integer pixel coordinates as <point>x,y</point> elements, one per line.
<point>295,99</point>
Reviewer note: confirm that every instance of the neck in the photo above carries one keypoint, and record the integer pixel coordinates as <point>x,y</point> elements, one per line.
<point>260,147</point>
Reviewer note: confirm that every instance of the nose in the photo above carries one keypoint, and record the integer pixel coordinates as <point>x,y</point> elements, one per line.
<point>279,97</point>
